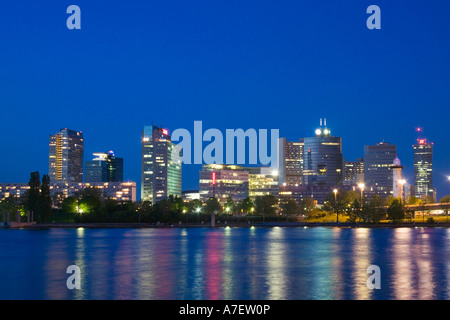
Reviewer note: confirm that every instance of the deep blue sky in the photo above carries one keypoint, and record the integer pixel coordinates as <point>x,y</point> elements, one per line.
<point>232,64</point>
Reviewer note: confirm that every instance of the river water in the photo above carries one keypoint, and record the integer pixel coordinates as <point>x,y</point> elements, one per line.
<point>226,263</point>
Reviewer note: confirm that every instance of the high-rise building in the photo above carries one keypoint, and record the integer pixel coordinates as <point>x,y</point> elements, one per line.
<point>262,181</point>
<point>223,181</point>
<point>105,167</point>
<point>66,151</point>
<point>160,170</point>
<point>290,161</point>
<point>354,172</point>
<point>423,169</point>
<point>378,160</point>
<point>322,159</point>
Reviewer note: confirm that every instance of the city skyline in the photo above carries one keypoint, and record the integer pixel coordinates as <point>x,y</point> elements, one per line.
<point>195,183</point>
<point>232,65</point>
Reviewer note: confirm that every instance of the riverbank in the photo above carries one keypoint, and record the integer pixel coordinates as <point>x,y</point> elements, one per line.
<point>234,225</point>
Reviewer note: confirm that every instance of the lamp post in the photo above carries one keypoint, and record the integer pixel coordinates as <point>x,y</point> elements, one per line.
<point>361,186</point>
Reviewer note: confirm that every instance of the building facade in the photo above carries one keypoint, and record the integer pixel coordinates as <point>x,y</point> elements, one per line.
<point>262,181</point>
<point>15,190</point>
<point>223,181</point>
<point>354,172</point>
<point>320,194</point>
<point>160,170</point>
<point>120,191</point>
<point>290,161</point>
<point>66,153</point>
<point>105,167</point>
<point>423,169</point>
<point>378,160</point>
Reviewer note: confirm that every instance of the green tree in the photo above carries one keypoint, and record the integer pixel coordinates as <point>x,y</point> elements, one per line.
<point>90,201</point>
<point>353,210</point>
<point>373,211</point>
<point>230,205</point>
<point>248,205</point>
<point>307,206</point>
<point>289,206</point>
<point>195,206</point>
<point>445,199</point>
<point>45,200</point>
<point>413,200</point>
<point>32,201</point>
<point>213,206</point>
<point>339,201</point>
<point>69,205</point>
<point>145,211</point>
<point>11,204</point>
<point>396,211</point>
<point>266,205</point>
<point>162,211</point>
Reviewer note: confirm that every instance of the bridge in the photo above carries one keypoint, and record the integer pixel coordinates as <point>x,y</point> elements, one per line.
<point>444,207</point>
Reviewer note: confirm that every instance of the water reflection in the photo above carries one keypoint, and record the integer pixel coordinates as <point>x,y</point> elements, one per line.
<point>227,263</point>
<point>361,261</point>
<point>275,266</point>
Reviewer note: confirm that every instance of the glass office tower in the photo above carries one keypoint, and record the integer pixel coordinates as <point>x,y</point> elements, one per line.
<point>423,169</point>
<point>66,152</point>
<point>322,159</point>
<point>378,160</point>
<point>290,161</point>
<point>105,167</point>
<point>160,173</point>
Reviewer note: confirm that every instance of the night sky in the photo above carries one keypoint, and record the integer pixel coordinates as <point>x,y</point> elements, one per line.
<point>231,64</point>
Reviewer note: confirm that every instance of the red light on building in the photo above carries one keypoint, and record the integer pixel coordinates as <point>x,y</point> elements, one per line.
<point>165,131</point>
<point>422,141</point>
<point>213,178</point>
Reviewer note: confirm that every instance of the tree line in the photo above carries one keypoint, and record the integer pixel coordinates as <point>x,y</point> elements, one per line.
<point>35,203</point>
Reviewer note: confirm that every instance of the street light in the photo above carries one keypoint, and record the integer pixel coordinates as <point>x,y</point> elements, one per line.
<point>361,186</point>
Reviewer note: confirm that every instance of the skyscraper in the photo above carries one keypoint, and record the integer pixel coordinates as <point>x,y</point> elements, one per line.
<point>160,172</point>
<point>105,167</point>
<point>66,152</point>
<point>354,172</point>
<point>322,159</point>
<point>378,160</point>
<point>423,169</point>
<point>290,161</point>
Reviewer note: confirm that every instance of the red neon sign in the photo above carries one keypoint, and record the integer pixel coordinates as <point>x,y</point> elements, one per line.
<point>165,131</point>
<point>213,178</point>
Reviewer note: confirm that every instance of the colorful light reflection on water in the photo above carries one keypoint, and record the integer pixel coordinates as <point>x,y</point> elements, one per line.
<point>226,263</point>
